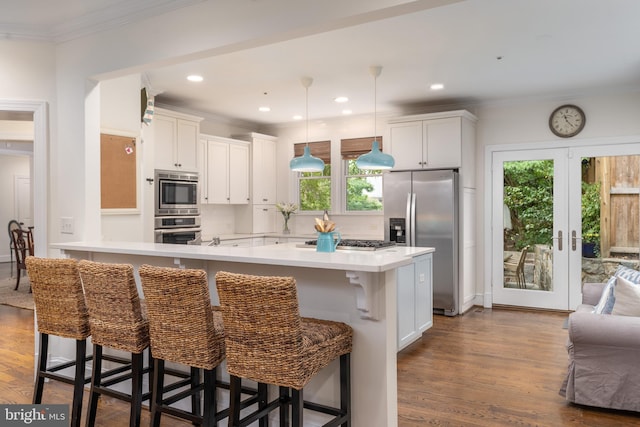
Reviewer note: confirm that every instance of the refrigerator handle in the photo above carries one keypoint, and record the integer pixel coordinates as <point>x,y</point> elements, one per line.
<point>413,219</point>
<point>408,227</point>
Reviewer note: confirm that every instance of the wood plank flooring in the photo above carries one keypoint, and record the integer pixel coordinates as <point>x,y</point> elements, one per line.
<point>486,368</point>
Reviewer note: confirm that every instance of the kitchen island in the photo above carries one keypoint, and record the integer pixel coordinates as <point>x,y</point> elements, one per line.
<point>355,287</point>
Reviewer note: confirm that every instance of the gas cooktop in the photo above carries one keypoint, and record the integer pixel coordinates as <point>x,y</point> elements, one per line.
<point>355,244</point>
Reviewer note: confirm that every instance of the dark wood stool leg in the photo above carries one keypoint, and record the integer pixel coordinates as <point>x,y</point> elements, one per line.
<point>78,385</point>
<point>297,405</point>
<point>345,387</point>
<point>210,405</point>
<point>284,406</point>
<point>195,397</point>
<point>158,386</point>
<point>234,400</point>
<point>137,368</point>
<point>42,366</point>
<point>262,403</point>
<point>96,379</point>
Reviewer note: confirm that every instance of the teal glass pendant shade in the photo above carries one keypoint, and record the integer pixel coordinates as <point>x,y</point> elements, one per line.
<point>375,159</point>
<point>306,162</point>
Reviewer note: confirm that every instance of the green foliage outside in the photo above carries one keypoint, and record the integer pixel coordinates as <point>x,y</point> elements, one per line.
<point>528,193</point>
<point>358,185</point>
<point>315,190</point>
<point>591,212</point>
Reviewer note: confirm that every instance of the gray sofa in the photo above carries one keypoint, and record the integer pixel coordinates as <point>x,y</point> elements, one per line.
<point>604,356</point>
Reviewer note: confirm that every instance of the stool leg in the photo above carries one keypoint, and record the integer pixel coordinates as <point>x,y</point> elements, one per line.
<point>297,405</point>
<point>345,388</point>
<point>284,406</point>
<point>195,397</point>
<point>96,379</point>
<point>234,401</point>
<point>78,384</point>
<point>42,367</point>
<point>210,406</point>
<point>137,368</point>
<point>158,386</point>
<point>262,403</point>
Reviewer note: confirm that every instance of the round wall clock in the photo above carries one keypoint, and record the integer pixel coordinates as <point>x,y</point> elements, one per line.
<point>567,121</point>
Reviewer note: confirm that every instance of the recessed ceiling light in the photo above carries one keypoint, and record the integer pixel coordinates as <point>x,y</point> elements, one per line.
<point>346,112</point>
<point>341,99</point>
<point>264,109</point>
<point>195,78</point>
<point>436,86</point>
<point>297,117</point>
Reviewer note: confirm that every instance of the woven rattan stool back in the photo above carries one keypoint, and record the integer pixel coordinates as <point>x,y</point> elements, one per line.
<point>58,297</point>
<point>115,314</point>
<point>262,328</point>
<point>181,320</point>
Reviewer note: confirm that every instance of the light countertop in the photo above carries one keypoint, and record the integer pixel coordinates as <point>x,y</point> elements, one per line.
<point>287,254</point>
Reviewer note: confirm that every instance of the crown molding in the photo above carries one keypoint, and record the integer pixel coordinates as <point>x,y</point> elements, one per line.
<point>122,13</point>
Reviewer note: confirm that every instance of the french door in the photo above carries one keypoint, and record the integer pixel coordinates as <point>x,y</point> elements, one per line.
<point>560,217</point>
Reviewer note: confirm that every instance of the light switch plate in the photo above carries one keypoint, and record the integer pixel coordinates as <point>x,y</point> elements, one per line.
<point>66,225</point>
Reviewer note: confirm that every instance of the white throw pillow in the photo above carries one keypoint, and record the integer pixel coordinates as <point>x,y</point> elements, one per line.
<point>607,299</point>
<point>627,298</point>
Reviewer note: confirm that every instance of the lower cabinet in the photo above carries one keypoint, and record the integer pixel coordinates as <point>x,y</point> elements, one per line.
<point>415,299</point>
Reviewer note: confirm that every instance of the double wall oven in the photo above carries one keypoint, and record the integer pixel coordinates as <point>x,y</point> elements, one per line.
<point>177,214</point>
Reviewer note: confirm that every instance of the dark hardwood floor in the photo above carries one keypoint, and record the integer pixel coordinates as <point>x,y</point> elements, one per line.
<point>486,368</point>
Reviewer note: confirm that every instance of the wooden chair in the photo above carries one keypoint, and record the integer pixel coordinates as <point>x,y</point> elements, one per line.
<point>21,248</point>
<point>267,341</point>
<point>517,268</point>
<point>13,224</point>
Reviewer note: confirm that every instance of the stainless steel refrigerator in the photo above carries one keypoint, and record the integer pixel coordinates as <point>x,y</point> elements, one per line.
<point>421,209</point>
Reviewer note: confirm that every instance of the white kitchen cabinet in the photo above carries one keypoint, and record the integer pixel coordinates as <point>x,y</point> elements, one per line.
<point>261,215</point>
<point>415,299</point>
<point>175,139</point>
<point>429,141</point>
<point>264,218</point>
<point>225,173</point>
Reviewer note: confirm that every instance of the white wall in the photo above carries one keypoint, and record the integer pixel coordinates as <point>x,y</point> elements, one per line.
<point>120,115</point>
<point>525,123</point>
<point>363,225</point>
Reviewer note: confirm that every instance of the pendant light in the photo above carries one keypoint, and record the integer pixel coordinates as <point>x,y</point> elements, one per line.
<point>306,162</point>
<point>375,159</point>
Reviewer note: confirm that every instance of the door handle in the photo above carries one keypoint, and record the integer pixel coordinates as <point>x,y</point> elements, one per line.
<point>574,240</point>
<point>559,238</point>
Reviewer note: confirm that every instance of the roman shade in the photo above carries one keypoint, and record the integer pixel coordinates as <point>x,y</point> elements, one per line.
<point>351,149</point>
<point>320,149</point>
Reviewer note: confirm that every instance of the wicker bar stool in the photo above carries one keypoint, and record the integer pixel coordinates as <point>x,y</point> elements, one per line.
<point>267,341</point>
<point>60,311</point>
<point>116,321</point>
<point>184,329</point>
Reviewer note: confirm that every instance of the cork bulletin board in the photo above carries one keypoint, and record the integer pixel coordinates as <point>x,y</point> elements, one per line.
<point>118,172</point>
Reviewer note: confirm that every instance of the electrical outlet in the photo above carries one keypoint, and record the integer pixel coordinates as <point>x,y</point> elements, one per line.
<point>66,225</point>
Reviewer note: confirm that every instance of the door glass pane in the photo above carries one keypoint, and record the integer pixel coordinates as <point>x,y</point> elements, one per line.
<point>610,223</point>
<point>528,224</point>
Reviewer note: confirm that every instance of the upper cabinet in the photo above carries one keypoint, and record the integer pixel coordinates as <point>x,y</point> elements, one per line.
<point>175,137</point>
<point>431,141</point>
<point>224,170</point>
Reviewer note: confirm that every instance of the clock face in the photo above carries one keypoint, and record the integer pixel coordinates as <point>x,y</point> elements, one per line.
<point>567,121</point>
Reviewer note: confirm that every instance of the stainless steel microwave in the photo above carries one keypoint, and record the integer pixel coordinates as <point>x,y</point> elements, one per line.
<point>176,193</point>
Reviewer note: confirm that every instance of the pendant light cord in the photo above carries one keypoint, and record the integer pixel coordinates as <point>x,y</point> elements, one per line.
<point>375,106</point>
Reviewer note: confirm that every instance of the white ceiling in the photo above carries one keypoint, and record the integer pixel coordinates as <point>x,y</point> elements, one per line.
<point>481,50</point>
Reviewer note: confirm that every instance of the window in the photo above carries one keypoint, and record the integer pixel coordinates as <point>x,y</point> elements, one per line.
<point>314,188</point>
<point>363,189</point>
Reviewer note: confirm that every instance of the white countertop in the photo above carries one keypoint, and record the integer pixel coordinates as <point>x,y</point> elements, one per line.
<point>282,254</point>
